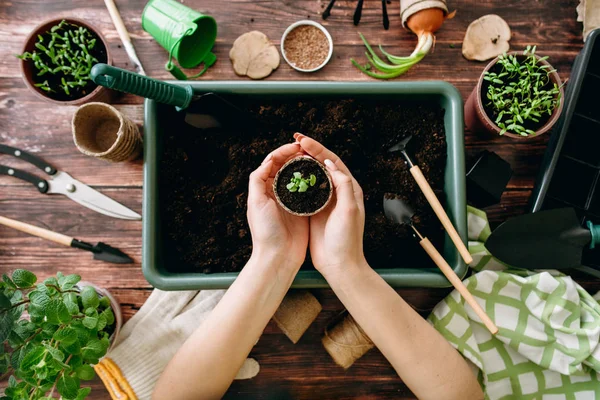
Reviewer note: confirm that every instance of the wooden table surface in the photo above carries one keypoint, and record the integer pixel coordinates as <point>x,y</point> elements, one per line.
<point>304,370</point>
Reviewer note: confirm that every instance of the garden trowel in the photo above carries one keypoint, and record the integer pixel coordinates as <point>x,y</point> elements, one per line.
<point>101,251</point>
<point>202,110</point>
<point>398,211</point>
<point>551,239</point>
<point>432,199</point>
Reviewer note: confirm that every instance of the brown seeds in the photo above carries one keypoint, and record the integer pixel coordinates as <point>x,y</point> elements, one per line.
<point>306,47</point>
<point>253,55</point>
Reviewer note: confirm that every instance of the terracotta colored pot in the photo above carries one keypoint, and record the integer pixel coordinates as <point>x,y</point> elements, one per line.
<point>477,120</point>
<point>28,70</point>
<point>327,174</point>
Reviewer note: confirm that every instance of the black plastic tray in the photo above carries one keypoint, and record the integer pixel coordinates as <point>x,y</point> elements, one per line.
<point>570,171</point>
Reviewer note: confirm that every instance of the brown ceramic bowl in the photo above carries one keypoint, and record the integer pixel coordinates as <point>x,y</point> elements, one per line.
<point>476,119</point>
<point>286,208</point>
<point>27,69</point>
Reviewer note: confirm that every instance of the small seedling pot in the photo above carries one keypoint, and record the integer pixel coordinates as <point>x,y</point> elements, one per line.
<point>28,70</point>
<point>477,120</point>
<point>114,305</point>
<point>282,200</point>
<point>101,131</point>
<point>322,29</point>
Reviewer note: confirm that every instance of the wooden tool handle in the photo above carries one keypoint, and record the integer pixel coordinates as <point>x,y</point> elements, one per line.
<point>35,231</point>
<point>117,20</point>
<point>441,213</point>
<point>457,283</point>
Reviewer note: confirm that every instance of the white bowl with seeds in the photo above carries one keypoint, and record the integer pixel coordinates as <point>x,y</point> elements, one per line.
<point>306,46</point>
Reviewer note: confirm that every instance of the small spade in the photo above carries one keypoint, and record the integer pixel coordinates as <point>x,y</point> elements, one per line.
<point>101,251</point>
<point>400,212</point>
<point>550,239</point>
<point>432,199</point>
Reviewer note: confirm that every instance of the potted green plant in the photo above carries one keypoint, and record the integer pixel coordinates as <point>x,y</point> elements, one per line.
<point>52,333</point>
<point>518,95</point>
<point>57,59</point>
<point>303,186</point>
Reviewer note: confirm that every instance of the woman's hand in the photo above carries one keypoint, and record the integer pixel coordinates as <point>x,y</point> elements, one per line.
<point>336,233</point>
<point>276,234</point>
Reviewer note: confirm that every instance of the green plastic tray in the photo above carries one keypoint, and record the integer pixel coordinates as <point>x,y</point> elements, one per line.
<point>442,93</point>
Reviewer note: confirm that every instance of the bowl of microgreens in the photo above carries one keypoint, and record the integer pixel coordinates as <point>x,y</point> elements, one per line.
<point>303,186</point>
<point>57,58</point>
<point>518,95</point>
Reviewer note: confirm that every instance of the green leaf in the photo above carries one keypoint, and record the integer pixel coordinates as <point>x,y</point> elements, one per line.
<point>12,382</point>
<point>85,372</point>
<point>104,302</point>
<point>23,278</point>
<point>67,386</point>
<point>89,297</point>
<point>302,187</point>
<point>83,393</point>
<point>66,336</point>
<point>93,350</point>
<point>57,312</point>
<point>297,175</point>
<point>4,362</point>
<point>101,322</point>
<point>72,348</point>
<point>90,322</point>
<point>109,315</point>
<point>70,300</point>
<point>39,299</point>
<point>312,180</point>
<point>55,353</point>
<point>70,281</point>
<point>51,281</point>
<point>4,301</point>
<point>7,322</point>
<point>33,358</point>
<point>6,279</point>
<point>290,185</point>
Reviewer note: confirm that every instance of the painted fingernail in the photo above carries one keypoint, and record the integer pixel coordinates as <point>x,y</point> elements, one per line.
<point>330,165</point>
<point>267,158</point>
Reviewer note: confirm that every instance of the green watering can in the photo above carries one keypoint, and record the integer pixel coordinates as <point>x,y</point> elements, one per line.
<point>186,34</point>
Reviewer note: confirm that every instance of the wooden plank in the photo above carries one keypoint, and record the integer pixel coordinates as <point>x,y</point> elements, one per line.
<point>42,128</point>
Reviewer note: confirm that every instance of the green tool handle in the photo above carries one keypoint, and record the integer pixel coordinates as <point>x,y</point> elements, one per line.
<point>130,82</point>
<point>595,231</point>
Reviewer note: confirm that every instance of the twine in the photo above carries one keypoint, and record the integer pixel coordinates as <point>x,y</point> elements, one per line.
<point>346,342</point>
<point>101,131</point>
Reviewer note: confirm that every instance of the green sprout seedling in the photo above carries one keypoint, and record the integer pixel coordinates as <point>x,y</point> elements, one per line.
<point>519,93</point>
<point>300,184</point>
<point>63,52</point>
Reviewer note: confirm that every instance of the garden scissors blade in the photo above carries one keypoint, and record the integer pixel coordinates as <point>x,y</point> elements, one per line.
<point>62,183</point>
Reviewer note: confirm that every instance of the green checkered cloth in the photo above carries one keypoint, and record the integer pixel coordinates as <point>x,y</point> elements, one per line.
<point>547,346</point>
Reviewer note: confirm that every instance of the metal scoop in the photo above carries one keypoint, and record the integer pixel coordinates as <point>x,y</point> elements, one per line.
<point>432,199</point>
<point>398,211</point>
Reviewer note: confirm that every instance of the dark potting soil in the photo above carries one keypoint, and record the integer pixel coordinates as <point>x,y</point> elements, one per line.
<point>492,114</point>
<point>204,176</point>
<point>55,80</point>
<point>314,197</point>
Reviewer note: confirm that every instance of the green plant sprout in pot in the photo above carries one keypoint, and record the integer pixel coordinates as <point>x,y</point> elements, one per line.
<point>51,334</point>
<point>303,186</point>
<point>518,95</point>
<point>58,57</point>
